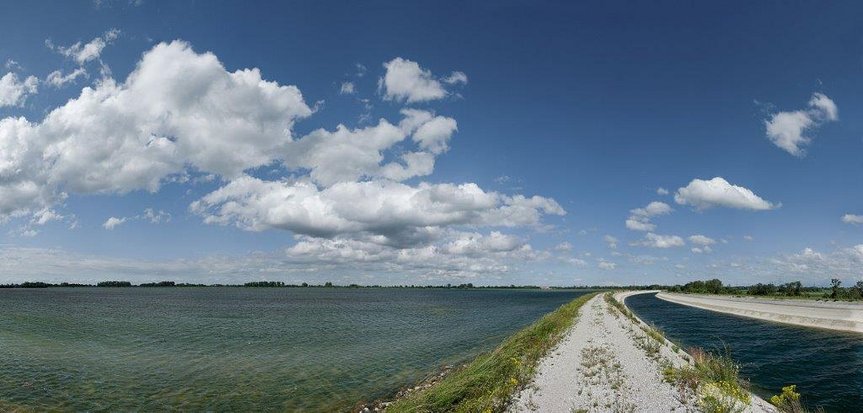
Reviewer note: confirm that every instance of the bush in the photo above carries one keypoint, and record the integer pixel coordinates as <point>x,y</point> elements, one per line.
<point>788,401</point>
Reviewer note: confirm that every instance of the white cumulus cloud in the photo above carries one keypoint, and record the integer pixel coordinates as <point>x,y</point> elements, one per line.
<point>702,240</point>
<point>58,79</point>
<point>14,91</point>
<point>177,109</point>
<point>406,81</point>
<point>787,130</point>
<point>113,222</point>
<point>181,115</point>
<point>660,241</point>
<point>397,213</point>
<point>852,219</point>
<point>717,192</point>
<point>85,52</point>
<point>639,218</point>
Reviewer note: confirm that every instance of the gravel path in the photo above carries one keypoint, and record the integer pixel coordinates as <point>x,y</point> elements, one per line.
<point>606,363</point>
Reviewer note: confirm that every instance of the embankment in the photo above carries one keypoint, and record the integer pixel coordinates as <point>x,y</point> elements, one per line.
<point>817,314</point>
<point>610,361</point>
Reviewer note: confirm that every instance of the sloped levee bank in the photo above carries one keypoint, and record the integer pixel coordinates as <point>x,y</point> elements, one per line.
<point>488,382</point>
<point>817,314</point>
<point>594,355</point>
<point>713,379</point>
<point>612,362</point>
<point>825,365</point>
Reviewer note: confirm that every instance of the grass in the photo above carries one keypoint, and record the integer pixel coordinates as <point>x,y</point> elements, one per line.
<point>715,381</point>
<point>488,383</point>
<point>609,298</point>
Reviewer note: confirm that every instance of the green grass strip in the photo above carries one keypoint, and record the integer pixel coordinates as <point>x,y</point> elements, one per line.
<point>488,383</point>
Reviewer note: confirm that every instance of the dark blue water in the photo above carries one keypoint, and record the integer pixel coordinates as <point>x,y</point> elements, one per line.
<point>826,366</point>
<point>242,349</point>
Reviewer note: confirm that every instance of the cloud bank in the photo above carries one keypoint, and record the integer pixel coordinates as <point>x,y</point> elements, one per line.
<point>342,192</point>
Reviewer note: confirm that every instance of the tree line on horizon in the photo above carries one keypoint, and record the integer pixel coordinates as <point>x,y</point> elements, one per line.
<point>712,286</point>
<point>789,289</point>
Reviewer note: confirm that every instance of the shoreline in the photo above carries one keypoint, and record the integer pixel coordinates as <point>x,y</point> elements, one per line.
<point>836,316</point>
<point>488,382</point>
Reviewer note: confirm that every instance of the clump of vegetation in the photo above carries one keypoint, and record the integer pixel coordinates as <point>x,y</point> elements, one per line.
<point>264,284</point>
<point>788,401</point>
<point>609,298</point>
<point>489,381</point>
<point>114,284</point>
<point>793,289</point>
<point>713,379</point>
<point>159,284</point>
<point>837,292</point>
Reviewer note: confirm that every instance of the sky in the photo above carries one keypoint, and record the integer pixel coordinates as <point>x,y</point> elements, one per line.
<point>511,142</point>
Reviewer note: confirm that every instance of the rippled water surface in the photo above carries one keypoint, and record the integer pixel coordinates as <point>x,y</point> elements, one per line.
<point>242,349</point>
<point>826,366</point>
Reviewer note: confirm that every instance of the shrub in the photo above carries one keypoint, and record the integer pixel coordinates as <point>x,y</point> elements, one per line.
<point>788,401</point>
<point>714,379</point>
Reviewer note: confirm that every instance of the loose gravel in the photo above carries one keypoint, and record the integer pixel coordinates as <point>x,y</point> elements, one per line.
<point>607,363</point>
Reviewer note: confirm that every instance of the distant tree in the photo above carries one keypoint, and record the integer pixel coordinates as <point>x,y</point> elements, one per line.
<point>858,290</point>
<point>835,286</point>
<point>264,284</point>
<point>713,286</point>
<point>304,284</point>
<point>762,289</point>
<point>793,288</point>
<point>66,284</point>
<point>328,284</point>
<point>114,284</point>
<point>36,284</point>
<point>159,284</point>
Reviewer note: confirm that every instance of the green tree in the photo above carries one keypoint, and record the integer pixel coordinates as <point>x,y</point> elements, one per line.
<point>713,286</point>
<point>858,290</point>
<point>835,285</point>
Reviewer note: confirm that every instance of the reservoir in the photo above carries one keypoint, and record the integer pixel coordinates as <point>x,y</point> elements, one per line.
<point>243,349</point>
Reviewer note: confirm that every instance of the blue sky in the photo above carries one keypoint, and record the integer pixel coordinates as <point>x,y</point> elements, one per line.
<point>494,144</point>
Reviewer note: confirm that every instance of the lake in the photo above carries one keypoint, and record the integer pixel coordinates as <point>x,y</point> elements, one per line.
<point>826,366</point>
<point>243,349</point>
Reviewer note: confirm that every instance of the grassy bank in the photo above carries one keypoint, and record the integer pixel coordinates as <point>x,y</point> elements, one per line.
<point>490,380</point>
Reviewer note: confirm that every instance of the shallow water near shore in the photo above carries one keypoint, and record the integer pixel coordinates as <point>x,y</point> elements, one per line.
<point>242,349</point>
<point>826,366</point>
